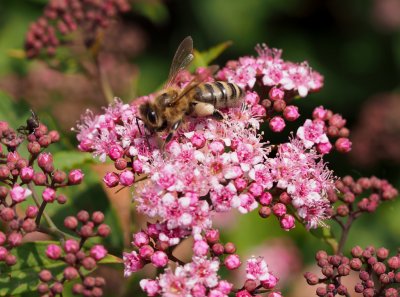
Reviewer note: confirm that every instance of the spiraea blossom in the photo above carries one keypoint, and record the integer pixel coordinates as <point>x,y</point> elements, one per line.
<point>213,166</point>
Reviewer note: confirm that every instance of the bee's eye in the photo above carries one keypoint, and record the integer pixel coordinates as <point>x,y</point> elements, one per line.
<point>152,117</point>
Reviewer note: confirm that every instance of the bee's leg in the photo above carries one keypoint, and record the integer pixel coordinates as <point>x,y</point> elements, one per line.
<point>174,127</point>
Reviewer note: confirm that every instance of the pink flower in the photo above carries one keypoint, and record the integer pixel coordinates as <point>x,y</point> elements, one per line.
<point>49,195</point>
<point>126,178</point>
<point>320,113</point>
<point>26,174</point>
<point>243,293</point>
<point>270,282</point>
<point>132,263</point>
<point>232,262</point>
<point>324,148</point>
<point>343,145</point>
<point>115,152</point>
<point>111,179</point>
<point>257,269</point>
<point>98,252</point>
<point>75,177</point>
<point>53,251</point>
<point>150,287</point>
<point>200,248</point>
<point>71,246</point>
<point>276,94</point>
<point>45,159</point>
<point>287,222</point>
<point>19,194</point>
<point>140,239</point>
<point>291,113</point>
<point>312,132</point>
<point>159,259</point>
<point>277,124</point>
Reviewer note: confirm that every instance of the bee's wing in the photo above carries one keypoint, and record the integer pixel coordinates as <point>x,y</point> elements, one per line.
<point>182,58</point>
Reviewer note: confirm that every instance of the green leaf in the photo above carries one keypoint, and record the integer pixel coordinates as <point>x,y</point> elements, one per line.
<point>203,59</point>
<point>23,276</point>
<point>66,160</point>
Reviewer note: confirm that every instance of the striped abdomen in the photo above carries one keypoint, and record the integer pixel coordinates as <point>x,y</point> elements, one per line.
<point>220,94</point>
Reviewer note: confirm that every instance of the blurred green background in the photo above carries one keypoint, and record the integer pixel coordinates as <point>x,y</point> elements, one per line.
<point>355,45</point>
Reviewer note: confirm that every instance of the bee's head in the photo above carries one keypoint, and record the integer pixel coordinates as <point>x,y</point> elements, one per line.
<point>151,116</point>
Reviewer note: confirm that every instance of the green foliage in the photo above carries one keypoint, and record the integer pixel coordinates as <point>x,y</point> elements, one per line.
<point>204,58</point>
<point>23,276</point>
<point>15,113</point>
<point>66,160</point>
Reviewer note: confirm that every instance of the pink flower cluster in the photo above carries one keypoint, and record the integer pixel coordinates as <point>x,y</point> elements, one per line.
<point>271,70</point>
<point>213,166</point>
<point>325,125</point>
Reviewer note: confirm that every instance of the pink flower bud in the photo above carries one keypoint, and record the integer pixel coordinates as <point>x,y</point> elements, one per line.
<point>343,145</point>
<point>71,246</point>
<point>240,184</point>
<point>44,160</point>
<point>232,262</point>
<point>276,94</point>
<point>320,113</point>
<point>14,239</point>
<point>70,273</point>
<point>115,152</point>
<point>212,235</point>
<point>216,147</point>
<point>200,248</point>
<point>150,287</point>
<point>19,194</point>
<point>198,140</point>
<point>75,177</point>
<point>39,178</point>
<point>252,98</point>
<point>265,199</point>
<point>53,251</point>
<point>277,124</point>
<point>49,195</point>
<point>256,189</point>
<point>138,166</point>
<point>126,178</point>
<point>7,214</point>
<point>279,209</point>
<point>13,157</point>
<point>291,113</point>
<point>70,222</point>
<point>258,110</point>
<point>287,222</point>
<point>111,179</point>
<point>140,239</point>
<point>324,148</point>
<point>145,252</point>
<point>26,174</point>
<point>159,259</point>
<point>98,252</point>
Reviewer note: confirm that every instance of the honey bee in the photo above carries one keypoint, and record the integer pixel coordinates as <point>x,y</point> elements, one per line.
<point>197,99</point>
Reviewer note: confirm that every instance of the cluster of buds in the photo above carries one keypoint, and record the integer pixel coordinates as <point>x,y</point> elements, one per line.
<point>377,191</point>
<point>278,207</point>
<point>77,259</point>
<point>18,178</point>
<point>62,17</point>
<point>378,273</point>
